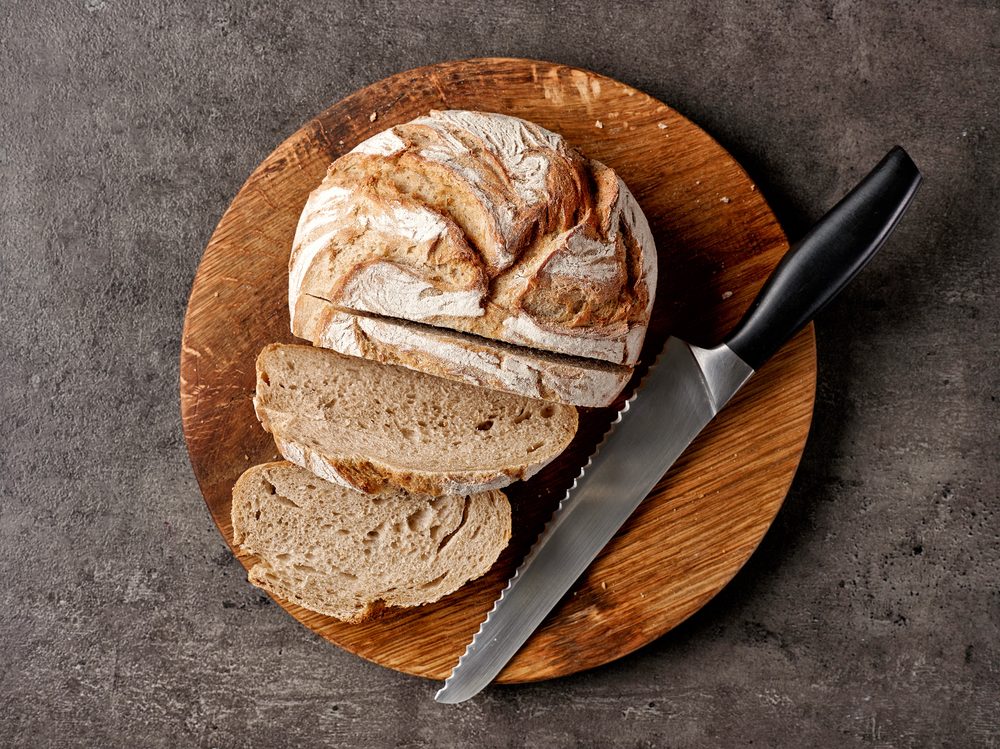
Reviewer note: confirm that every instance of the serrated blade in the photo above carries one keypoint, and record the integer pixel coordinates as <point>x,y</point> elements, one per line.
<point>683,390</point>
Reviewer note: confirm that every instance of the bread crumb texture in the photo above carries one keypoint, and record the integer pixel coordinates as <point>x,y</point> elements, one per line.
<point>335,551</point>
<point>369,426</point>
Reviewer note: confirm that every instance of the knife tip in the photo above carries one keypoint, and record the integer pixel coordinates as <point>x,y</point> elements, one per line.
<point>448,695</point>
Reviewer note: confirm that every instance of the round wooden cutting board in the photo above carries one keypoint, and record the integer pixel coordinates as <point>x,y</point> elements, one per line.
<point>717,240</point>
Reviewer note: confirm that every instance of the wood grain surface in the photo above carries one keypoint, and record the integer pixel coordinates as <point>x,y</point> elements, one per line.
<point>717,240</point>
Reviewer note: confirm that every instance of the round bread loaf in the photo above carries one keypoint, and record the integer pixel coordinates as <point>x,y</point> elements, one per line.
<point>481,223</point>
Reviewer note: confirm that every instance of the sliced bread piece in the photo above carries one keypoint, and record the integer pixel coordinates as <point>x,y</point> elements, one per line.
<point>344,554</point>
<point>367,425</point>
<point>460,356</point>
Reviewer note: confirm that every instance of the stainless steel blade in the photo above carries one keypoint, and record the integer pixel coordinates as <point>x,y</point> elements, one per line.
<point>682,392</point>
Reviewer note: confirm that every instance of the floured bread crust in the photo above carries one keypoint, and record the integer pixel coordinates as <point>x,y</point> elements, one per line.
<point>463,357</point>
<point>482,223</point>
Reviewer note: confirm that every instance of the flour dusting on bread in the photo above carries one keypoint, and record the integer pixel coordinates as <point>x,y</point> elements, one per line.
<point>462,357</point>
<point>466,278</point>
<point>499,227</point>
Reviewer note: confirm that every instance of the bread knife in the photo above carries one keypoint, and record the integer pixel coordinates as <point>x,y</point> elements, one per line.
<point>681,393</point>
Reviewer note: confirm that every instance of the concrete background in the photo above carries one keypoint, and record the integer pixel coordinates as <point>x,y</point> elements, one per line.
<point>871,613</point>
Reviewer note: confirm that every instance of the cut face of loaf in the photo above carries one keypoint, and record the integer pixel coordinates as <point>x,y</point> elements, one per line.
<point>346,555</point>
<point>481,223</point>
<point>460,356</point>
<point>367,425</point>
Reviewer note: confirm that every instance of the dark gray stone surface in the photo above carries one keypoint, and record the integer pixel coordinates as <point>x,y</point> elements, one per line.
<point>869,616</point>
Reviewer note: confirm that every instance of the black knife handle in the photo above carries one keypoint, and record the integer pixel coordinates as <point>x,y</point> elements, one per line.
<point>825,260</point>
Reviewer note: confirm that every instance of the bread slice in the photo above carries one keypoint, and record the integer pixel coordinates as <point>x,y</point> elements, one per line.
<point>460,356</point>
<point>367,425</point>
<point>485,224</point>
<point>347,555</point>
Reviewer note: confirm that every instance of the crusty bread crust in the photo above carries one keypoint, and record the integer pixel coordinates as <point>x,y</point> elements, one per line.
<point>372,477</point>
<point>481,223</point>
<point>460,356</point>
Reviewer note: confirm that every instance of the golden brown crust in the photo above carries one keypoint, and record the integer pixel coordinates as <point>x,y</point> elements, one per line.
<point>563,256</point>
<point>371,478</point>
<point>461,356</point>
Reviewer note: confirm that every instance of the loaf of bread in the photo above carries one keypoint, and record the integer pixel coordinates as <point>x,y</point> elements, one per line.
<point>481,223</point>
<point>367,425</point>
<point>462,357</point>
<point>347,555</point>
<point>469,278</point>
